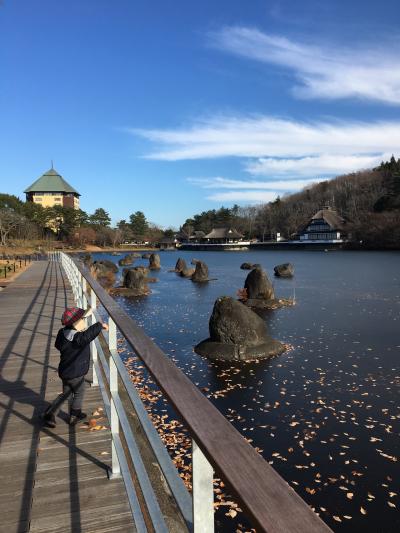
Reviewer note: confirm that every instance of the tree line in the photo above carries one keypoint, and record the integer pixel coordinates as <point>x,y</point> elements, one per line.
<point>28,221</point>
<point>368,200</point>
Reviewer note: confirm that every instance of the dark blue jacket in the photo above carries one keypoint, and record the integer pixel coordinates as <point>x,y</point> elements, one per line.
<point>75,350</point>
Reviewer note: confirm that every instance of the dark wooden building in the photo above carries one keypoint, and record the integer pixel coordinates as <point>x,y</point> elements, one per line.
<point>223,236</point>
<point>325,226</point>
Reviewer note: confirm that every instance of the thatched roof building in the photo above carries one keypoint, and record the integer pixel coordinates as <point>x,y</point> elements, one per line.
<point>325,225</point>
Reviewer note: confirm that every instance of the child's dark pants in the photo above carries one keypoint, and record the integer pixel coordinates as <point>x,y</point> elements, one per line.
<point>74,387</point>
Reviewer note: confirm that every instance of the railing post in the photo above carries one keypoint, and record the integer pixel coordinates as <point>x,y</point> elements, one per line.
<point>75,283</point>
<point>112,345</point>
<point>93,347</point>
<point>203,493</point>
<point>80,293</point>
<point>83,293</point>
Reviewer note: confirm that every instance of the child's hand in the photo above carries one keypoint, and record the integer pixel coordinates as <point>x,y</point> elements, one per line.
<point>104,326</point>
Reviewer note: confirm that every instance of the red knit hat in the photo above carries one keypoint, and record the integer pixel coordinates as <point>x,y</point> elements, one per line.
<point>71,315</point>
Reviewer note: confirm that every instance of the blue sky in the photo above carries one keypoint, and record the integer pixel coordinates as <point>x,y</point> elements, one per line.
<point>174,107</point>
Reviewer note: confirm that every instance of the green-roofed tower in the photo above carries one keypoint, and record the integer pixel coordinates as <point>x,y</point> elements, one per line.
<point>51,189</point>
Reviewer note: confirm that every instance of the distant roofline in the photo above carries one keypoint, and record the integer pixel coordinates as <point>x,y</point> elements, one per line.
<point>51,181</point>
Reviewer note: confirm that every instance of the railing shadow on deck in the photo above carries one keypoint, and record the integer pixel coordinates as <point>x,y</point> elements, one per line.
<point>267,500</point>
<point>46,296</point>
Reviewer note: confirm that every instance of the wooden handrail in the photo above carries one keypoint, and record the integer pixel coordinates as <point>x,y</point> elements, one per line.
<point>269,501</point>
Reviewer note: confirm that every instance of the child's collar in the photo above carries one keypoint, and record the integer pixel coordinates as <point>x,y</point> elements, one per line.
<point>69,333</point>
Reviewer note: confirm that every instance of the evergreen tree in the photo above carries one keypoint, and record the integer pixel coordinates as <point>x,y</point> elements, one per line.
<point>138,223</point>
<point>9,201</point>
<point>100,218</point>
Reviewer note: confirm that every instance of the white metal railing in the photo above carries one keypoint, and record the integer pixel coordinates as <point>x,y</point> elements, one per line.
<point>201,505</point>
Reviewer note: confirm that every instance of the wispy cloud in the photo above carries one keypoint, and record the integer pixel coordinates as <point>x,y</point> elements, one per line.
<point>321,165</point>
<point>271,185</point>
<point>270,137</point>
<point>250,197</point>
<point>248,191</point>
<point>328,72</point>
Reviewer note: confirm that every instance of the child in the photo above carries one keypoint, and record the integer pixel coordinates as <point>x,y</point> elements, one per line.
<point>73,342</point>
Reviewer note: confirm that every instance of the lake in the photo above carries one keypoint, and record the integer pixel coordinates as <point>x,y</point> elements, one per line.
<point>326,413</point>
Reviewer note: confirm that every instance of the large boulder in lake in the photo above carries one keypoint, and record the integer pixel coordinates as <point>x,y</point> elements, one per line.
<point>134,282</point>
<point>180,265</point>
<point>135,279</point>
<point>286,270</point>
<point>258,285</point>
<point>201,272</point>
<point>127,260</point>
<point>154,262</point>
<point>237,334</point>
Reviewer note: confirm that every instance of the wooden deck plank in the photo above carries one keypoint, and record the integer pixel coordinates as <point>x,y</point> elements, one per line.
<point>51,480</point>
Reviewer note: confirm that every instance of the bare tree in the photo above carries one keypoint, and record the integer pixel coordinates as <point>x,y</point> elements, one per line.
<point>9,221</point>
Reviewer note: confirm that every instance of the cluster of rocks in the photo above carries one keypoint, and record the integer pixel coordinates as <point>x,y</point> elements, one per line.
<point>236,331</point>
<point>198,274</point>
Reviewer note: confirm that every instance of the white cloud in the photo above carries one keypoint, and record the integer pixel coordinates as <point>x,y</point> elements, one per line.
<point>329,72</point>
<point>243,196</point>
<point>269,137</point>
<point>271,185</point>
<point>325,165</point>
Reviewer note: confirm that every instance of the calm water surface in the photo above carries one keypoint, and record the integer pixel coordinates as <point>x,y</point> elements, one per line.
<point>326,413</point>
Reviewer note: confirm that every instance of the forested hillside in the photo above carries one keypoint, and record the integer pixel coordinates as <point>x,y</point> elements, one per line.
<point>368,200</point>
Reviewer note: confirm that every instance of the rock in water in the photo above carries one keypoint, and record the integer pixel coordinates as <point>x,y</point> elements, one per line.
<point>187,272</point>
<point>104,266</point>
<point>154,262</point>
<point>104,272</point>
<point>135,279</point>
<point>259,292</point>
<point>237,334</point>
<point>258,285</point>
<point>180,265</point>
<point>201,272</point>
<point>127,260</point>
<point>246,266</point>
<point>286,270</point>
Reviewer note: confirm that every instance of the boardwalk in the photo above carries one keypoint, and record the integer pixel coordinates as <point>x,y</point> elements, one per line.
<point>50,480</point>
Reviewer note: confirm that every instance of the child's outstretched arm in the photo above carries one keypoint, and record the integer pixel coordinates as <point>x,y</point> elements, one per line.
<point>85,337</point>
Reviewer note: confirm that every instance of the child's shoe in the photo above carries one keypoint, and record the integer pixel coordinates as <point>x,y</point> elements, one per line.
<point>48,419</point>
<point>76,416</point>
